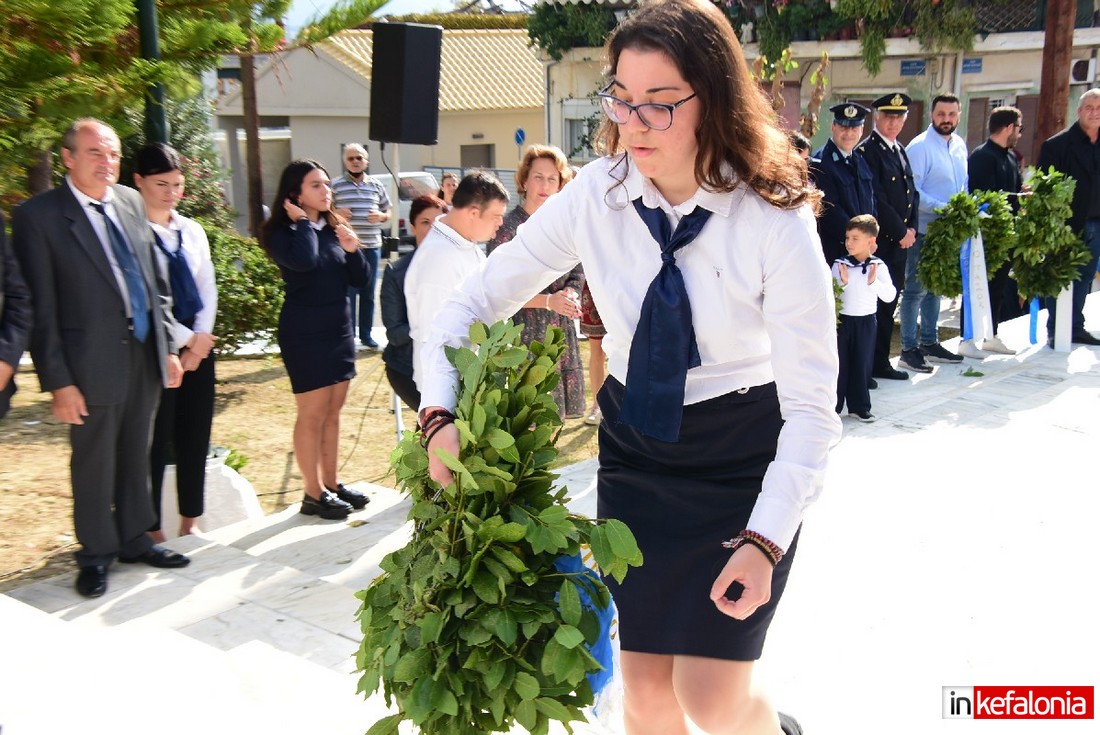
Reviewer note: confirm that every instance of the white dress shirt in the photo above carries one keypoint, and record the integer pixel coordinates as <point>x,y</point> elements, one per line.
<point>861,298</point>
<point>760,294</point>
<point>100,228</point>
<point>442,260</point>
<point>197,249</point>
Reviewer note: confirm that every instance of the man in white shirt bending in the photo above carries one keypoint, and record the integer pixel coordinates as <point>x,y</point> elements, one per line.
<point>451,252</point>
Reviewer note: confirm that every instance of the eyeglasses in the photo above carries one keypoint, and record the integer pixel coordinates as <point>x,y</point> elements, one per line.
<point>354,158</point>
<point>654,115</point>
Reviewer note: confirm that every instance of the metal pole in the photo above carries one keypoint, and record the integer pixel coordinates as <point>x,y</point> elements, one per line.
<point>156,123</point>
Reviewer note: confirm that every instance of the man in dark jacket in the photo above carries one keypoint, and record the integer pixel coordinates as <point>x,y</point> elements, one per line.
<point>896,200</point>
<point>843,177</point>
<point>15,319</point>
<point>992,166</point>
<point>1076,152</point>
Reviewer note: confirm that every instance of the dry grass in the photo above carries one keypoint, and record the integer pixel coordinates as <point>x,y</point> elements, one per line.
<point>254,415</point>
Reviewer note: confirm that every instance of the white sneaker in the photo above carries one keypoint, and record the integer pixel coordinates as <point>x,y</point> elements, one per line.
<point>995,345</point>
<point>967,348</point>
<point>594,417</point>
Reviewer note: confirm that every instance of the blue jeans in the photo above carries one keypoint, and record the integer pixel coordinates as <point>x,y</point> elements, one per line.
<point>916,301</point>
<point>363,317</point>
<point>1083,284</point>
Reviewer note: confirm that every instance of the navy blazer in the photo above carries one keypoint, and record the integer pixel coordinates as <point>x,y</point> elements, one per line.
<point>847,187</point>
<point>15,314</point>
<point>896,195</point>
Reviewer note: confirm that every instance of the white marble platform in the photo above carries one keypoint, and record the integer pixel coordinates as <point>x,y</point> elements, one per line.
<point>952,545</point>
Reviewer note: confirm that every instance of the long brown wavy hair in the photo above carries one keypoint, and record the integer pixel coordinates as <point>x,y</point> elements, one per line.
<point>737,126</point>
<point>290,186</point>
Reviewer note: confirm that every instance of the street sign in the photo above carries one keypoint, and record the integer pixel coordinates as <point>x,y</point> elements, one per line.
<point>520,136</point>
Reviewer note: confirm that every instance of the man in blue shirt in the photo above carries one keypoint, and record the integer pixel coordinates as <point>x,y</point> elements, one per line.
<point>938,159</point>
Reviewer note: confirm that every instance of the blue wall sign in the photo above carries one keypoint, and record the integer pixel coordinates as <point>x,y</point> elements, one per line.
<point>913,67</point>
<point>972,65</point>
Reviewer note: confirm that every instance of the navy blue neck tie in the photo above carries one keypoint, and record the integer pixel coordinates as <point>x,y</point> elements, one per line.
<point>135,284</point>
<point>664,347</point>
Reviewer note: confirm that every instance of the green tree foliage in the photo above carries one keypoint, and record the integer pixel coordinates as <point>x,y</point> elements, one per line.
<point>471,628</point>
<point>556,28</point>
<point>250,289</point>
<point>466,21</point>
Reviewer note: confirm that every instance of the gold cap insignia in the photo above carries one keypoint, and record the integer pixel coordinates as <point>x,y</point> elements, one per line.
<point>850,112</point>
<point>897,101</point>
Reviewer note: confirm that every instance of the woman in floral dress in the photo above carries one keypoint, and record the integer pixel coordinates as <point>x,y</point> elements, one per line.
<point>542,173</point>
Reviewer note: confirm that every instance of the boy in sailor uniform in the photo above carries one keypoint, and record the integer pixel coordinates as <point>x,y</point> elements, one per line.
<point>864,284</point>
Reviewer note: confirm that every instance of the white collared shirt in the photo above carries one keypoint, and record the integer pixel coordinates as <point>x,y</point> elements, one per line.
<point>197,249</point>
<point>859,297</point>
<point>100,228</point>
<point>442,261</point>
<point>761,299</point>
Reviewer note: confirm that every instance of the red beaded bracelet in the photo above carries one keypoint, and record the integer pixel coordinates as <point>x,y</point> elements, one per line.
<point>770,549</point>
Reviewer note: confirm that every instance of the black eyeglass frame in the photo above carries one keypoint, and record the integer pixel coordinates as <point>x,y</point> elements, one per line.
<point>607,99</point>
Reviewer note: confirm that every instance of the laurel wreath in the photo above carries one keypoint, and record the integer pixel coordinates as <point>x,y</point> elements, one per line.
<point>471,628</point>
<point>961,218</point>
<point>1049,253</point>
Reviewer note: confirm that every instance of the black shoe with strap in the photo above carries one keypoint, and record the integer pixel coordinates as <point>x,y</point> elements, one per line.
<point>1084,338</point>
<point>328,506</point>
<point>354,498</point>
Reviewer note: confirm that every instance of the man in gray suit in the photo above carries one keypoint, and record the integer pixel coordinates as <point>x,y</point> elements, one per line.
<point>101,345</point>
<point>15,319</point>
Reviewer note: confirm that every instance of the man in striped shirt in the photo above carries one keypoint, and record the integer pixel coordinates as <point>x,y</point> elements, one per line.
<point>364,203</point>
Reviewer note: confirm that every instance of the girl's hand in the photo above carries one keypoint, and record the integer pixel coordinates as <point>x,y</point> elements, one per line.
<point>753,570</point>
<point>294,211</point>
<point>349,241</point>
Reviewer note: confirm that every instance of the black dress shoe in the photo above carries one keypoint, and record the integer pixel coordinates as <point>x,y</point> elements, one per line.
<point>1084,338</point>
<point>890,373</point>
<point>872,383</point>
<point>158,556</point>
<point>92,581</point>
<point>328,506</point>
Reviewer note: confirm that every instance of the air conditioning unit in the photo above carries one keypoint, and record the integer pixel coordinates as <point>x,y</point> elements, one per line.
<point>1082,71</point>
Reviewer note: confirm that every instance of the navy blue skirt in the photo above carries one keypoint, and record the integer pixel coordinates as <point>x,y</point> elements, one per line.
<point>681,500</point>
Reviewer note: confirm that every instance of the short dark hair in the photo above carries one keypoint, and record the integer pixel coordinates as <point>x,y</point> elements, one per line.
<point>421,203</point>
<point>1002,117</point>
<point>478,189</point>
<point>865,223</point>
<point>948,97</point>
<point>156,158</point>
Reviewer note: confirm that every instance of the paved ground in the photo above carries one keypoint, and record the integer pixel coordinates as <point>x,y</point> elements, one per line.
<point>952,546</point>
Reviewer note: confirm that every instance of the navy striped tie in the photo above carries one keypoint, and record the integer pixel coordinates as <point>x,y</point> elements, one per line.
<point>135,285</point>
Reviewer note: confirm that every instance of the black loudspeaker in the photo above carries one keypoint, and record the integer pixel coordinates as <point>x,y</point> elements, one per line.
<point>404,91</point>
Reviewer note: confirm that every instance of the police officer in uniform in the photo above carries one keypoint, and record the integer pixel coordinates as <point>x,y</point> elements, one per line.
<point>896,198</point>
<point>843,177</point>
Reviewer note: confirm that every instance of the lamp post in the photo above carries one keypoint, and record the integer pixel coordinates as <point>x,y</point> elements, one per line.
<point>156,123</point>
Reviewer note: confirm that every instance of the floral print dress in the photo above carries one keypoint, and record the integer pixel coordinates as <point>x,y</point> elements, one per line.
<point>569,395</point>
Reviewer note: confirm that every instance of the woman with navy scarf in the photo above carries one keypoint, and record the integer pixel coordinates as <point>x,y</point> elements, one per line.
<point>697,235</point>
<point>181,432</point>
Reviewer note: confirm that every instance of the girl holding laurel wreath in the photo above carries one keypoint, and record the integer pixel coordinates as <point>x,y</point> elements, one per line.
<point>697,235</point>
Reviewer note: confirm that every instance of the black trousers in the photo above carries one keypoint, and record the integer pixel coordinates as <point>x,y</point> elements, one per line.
<point>884,332</point>
<point>110,467</point>
<point>405,387</point>
<point>181,436</point>
<point>855,338</point>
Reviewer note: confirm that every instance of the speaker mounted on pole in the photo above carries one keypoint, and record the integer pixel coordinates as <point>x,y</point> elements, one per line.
<point>404,90</point>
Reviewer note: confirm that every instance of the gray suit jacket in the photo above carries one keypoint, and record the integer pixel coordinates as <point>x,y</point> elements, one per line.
<point>80,335</point>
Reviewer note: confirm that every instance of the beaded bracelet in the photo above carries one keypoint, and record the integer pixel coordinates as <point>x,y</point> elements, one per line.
<point>432,429</point>
<point>432,415</point>
<point>771,550</point>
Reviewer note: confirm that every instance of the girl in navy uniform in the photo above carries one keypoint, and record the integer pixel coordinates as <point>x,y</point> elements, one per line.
<point>697,235</point>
